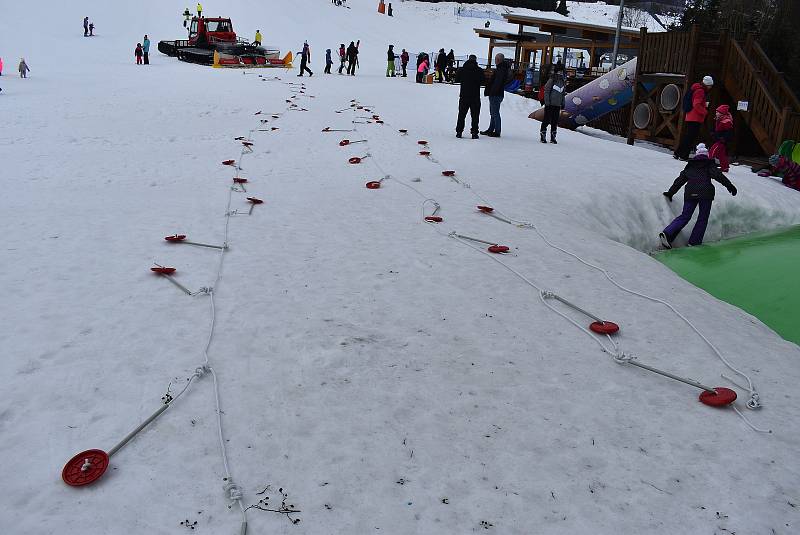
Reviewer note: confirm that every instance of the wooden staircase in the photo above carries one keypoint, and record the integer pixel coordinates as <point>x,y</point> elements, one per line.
<point>773,113</point>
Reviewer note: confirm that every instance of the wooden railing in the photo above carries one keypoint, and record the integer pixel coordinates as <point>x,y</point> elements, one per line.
<point>772,76</point>
<point>770,122</point>
<point>666,52</point>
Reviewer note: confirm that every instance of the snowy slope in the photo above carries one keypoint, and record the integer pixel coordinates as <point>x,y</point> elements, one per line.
<point>389,378</point>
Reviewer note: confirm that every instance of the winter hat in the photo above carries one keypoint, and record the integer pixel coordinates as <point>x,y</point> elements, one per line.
<point>723,109</point>
<point>701,150</point>
<point>707,80</point>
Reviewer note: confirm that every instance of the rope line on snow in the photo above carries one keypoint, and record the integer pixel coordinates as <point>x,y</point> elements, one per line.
<point>753,402</point>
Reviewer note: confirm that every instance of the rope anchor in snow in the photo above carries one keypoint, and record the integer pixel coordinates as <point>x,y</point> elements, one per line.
<point>493,246</point>
<point>167,273</point>
<point>181,238</point>
<point>599,326</point>
<point>346,142</point>
<point>713,397</point>
<point>375,184</point>
<point>432,217</point>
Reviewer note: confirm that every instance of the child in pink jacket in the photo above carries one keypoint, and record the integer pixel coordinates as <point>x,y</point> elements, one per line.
<point>723,133</point>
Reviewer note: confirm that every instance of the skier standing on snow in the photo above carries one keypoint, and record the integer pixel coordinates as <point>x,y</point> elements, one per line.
<point>699,191</point>
<point>695,116</point>
<point>305,59</point>
<point>441,65</point>
<point>352,58</point>
<point>146,49</point>
<point>494,90</point>
<point>342,57</point>
<point>723,132</point>
<point>91,29</point>
<point>23,68</point>
<point>390,61</point>
<point>471,77</point>
<point>553,102</point>
<point>328,61</point>
<point>138,52</point>
<point>86,26</point>
<point>404,62</point>
<point>451,66</point>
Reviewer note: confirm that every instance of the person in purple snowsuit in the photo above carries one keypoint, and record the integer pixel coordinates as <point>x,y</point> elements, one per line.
<point>699,191</point>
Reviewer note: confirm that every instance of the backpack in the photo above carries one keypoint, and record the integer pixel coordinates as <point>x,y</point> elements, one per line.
<point>688,103</point>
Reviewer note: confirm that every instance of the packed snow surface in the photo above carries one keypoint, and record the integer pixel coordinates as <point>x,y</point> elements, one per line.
<point>386,376</point>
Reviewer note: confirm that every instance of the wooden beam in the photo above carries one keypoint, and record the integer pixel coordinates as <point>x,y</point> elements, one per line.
<point>636,84</point>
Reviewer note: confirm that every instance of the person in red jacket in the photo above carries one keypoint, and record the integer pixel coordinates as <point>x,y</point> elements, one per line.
<point>695,117</point>
<point>723,132</point>
<point>139,52</point>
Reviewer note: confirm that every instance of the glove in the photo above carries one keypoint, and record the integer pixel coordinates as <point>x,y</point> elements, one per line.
<point>732,190</point>
<point>668,196</point>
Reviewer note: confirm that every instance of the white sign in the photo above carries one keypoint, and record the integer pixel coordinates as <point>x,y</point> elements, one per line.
<point>742,105</point>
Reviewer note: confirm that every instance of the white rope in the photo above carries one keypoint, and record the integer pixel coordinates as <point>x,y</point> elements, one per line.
<point>753,401</point>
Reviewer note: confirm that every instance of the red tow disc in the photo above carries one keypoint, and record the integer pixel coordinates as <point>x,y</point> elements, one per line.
<point>239,180</point>
<point>448,173</point>
<point>722,397</point>
<point>379,121</point>
<point>354,159</point>
<point>376,117</point>
<point>255,200</point>
<point>275,116</point>
<point>163,270</point>
<point>85,468</point>
<point>374,184</point>
<point>274,128</point>
<point>424,153</point>
<point>228,162</point>
<point>326,129</point>
<point>486,209</point>
<point>433,219</point>
<point>257,113</point>
<point>422,142</point>
<point>247,144</point>
<point>175,238</point>
<point>604,327</point>
<point>403,131</point>
<point>497,249</point>
<point>344,142</point>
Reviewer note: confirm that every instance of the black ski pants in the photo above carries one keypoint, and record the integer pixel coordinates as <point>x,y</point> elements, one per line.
<point>551,114</point>
<point>472,105</point>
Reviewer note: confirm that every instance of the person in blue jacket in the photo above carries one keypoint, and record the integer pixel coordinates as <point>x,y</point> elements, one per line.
<point>146,49</point>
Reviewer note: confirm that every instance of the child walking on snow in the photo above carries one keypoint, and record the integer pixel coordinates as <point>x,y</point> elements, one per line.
<point>23,68</point>
<point>138,53</point>
<point>723,132</point>
<point>328,61</point>
<point>699,191</point>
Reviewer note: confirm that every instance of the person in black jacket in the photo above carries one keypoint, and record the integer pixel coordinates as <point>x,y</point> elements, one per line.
<point>441,65</point>
<point>699,191</point>
<point>352,58</point>
<point>471,77</point>
<point>494,90</point>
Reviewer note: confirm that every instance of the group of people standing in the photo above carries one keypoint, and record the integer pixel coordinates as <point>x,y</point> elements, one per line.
<point>142,51</point>
<point>471,77</point>
<point>390,64</point>
<point>88,27</point>
<point>348,59</point>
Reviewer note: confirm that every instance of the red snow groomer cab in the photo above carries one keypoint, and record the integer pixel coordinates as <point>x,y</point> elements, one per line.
<point>212,41</point>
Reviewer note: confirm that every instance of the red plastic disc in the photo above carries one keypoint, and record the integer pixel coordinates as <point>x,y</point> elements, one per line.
<point>403,131</point>
<point>344,142</point>
<point>360,107</point>
<point>424,153</point>
<point>422,142</point>
<point>240,138</point>
<point>247,144</point>
<point>376,117</point>
<point>374,184</point>
<point>379,121</point>
<point>254,200</point>
<point>498,249</point>
<point>274,128</point>
<point>85,468</point>
<point>228,162</point>
<point>326,129</point>
<point>176,237</point>
<point>605,327</point>
<point>354,159</point>
<point>448,173</point>
<point>486,209</point>
<point>724,396</point>
<point>433,219</point>
<point>257,113</point>
<point>239,180</point>
<point>163,270</point>
<point>275,116</point>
